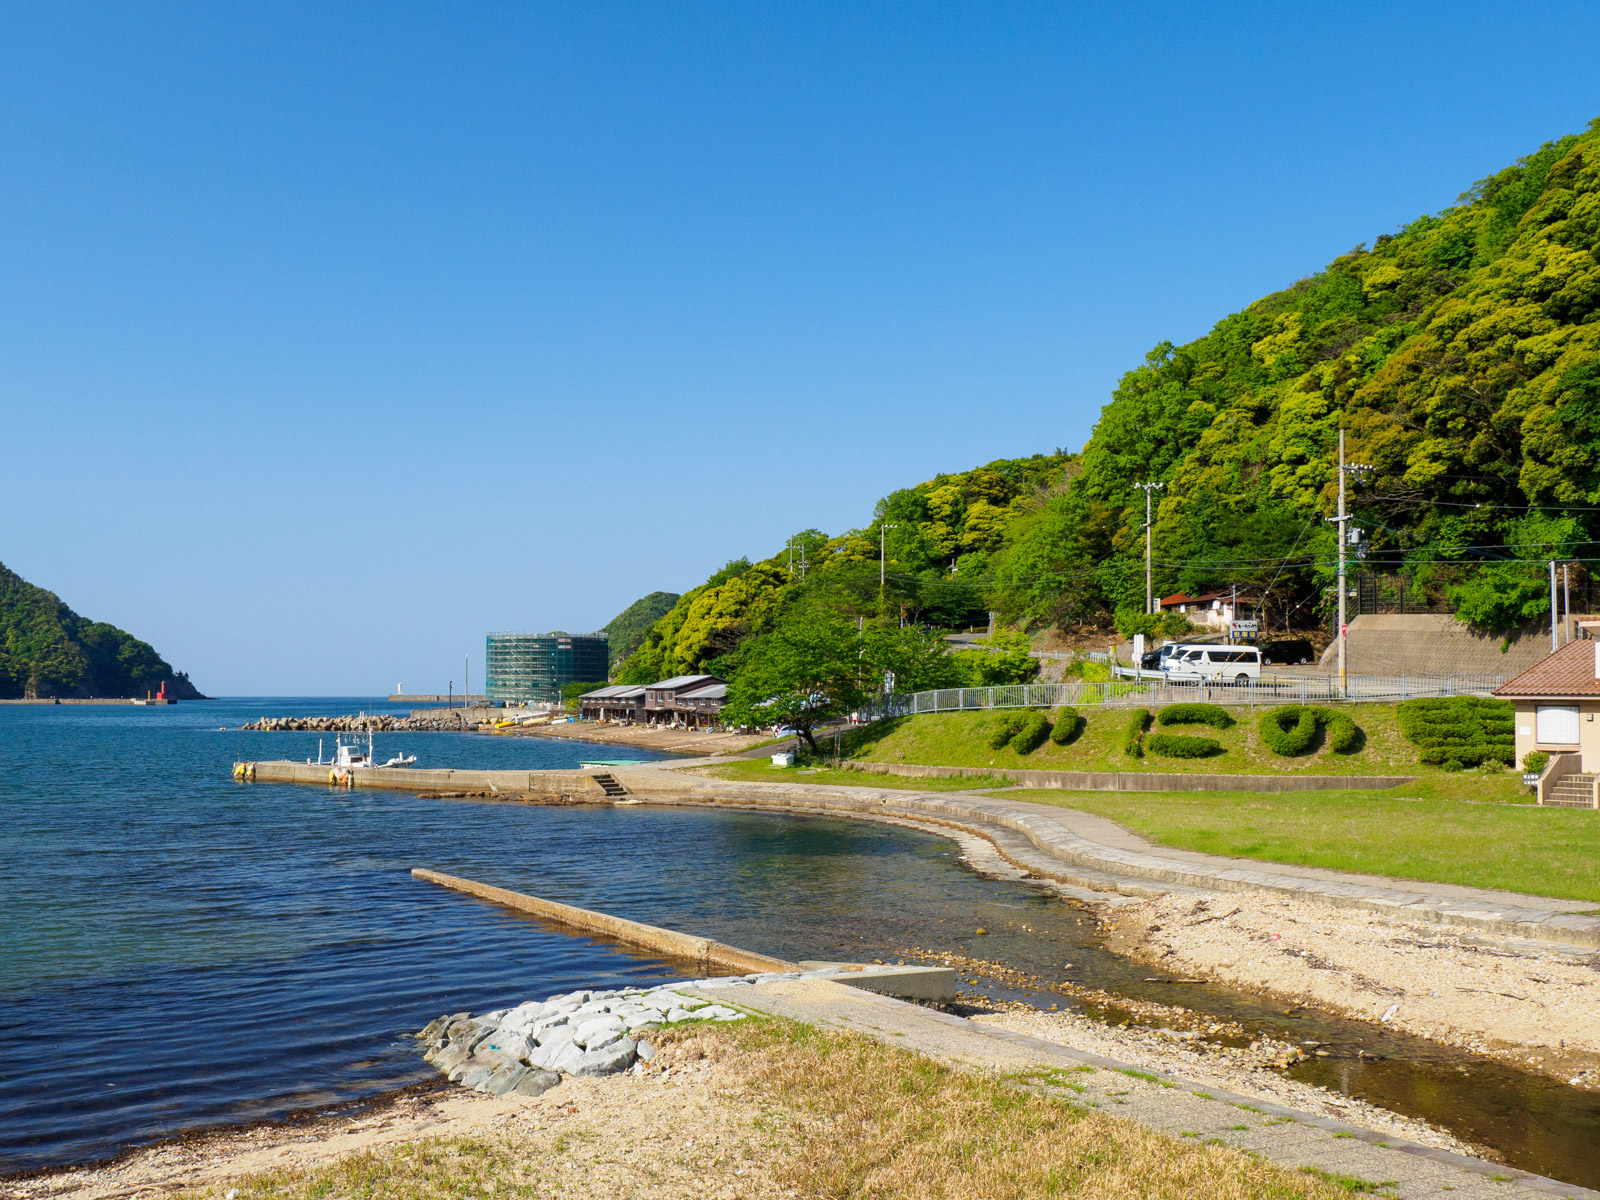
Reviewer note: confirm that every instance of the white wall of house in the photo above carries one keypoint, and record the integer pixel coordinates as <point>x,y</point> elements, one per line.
<point>1583,717</point>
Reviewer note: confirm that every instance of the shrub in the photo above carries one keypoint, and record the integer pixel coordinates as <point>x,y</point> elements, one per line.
<point>1031,734</point>
<point>1133,737</point>
<point>1535,761</point>
<point>1344,735</point>
<point>1464,730</point>
<point>1068,725</point>
<point>1289,730</point>
<point>1467,756</point>
<point>1177,745</point>
<point>1195,714</point>
<point>1004,729</point>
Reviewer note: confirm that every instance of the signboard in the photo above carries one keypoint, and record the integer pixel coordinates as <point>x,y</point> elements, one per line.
<point>1245,631</point>
<point>1138,649</point>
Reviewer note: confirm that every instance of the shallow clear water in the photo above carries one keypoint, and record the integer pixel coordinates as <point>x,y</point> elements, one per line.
<point>179,950</point>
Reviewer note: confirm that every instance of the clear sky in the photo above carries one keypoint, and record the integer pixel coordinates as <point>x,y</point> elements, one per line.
<point>334,336</point>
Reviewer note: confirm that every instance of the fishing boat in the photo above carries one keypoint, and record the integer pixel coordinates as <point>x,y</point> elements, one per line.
<point>353,755</point>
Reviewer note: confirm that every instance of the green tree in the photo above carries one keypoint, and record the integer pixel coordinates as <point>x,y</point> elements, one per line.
<point>806,671</point>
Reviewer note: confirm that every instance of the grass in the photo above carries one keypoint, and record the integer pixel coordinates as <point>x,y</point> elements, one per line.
<point>1510,847</point>
<point>762,771</point>
<point>960,740</point>
<point>844,1116</point>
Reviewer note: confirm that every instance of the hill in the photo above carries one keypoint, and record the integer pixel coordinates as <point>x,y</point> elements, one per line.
<point>47,650</point>
<point>627,629</point>
<point>1460,354</point>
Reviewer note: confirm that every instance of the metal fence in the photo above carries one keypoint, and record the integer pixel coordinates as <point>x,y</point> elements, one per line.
<point>1128,693</point>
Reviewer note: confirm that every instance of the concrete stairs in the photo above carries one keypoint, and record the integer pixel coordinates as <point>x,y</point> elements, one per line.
<point>1572,791</point>
<point>610,786</point>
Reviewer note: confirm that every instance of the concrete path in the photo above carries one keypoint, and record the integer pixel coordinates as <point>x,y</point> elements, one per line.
<point>1090,851</point>
<point>1166,1103</point>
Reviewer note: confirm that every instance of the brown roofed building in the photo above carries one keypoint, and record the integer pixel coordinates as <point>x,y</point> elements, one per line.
<point>1557,700</point>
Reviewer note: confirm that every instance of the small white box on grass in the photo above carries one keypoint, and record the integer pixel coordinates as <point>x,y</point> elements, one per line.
<point>785,759</point>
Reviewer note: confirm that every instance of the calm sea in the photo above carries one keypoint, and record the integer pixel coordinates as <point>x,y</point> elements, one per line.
<point>180,950</point>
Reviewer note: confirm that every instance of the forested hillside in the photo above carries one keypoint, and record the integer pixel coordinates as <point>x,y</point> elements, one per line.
<point>627,629</point>
<point>1460,354</point>
<point>47,650</point>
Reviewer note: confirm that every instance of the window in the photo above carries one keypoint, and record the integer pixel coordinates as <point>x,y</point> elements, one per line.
<point>1557,724</point>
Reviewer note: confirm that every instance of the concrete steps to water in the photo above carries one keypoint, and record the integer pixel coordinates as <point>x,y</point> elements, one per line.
<point>609,785</point>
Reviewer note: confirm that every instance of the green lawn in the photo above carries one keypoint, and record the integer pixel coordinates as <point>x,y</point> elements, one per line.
<point>1519,848</point>
<point>761,770</point>
<point>960,740</point>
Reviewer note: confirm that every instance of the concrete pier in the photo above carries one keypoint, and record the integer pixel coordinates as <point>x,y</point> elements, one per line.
<point>575,785</point>
<point>706,953</point>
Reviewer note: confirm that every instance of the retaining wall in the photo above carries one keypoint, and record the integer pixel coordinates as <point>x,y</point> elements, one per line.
<point>1140,781</point>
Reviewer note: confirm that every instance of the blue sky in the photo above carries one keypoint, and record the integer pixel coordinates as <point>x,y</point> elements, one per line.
<point>335,336</point>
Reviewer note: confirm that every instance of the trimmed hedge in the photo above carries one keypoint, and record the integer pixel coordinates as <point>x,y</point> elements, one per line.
<point>1177,745</point>
<point>1195,714</point>
<point>1068,725</point>
<point>1031,735</point>
<point>1291,729</point>
<point>1460,731</point>
<point>1133,737</point>
<point>1004,729</point>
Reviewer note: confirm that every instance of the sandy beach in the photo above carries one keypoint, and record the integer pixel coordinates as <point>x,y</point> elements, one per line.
<point>1537,1008</point>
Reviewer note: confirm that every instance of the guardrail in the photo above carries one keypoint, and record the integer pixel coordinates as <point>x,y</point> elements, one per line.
<point>1128,693</point>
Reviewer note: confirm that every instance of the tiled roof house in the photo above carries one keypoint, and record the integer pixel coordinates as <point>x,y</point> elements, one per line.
<point>1557,702</point>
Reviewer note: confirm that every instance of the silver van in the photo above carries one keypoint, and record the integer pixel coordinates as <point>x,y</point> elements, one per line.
<point>1219,664</point>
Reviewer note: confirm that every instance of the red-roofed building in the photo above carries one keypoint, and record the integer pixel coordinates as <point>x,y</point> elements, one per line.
<point>1557,700</point>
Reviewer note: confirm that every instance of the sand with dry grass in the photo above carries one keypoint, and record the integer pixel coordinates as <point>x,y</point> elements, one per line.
<point>1540,1010</point>
<point>754,1110</point>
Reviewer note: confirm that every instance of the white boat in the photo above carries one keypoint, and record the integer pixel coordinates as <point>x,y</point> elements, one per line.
<point>352,755</point>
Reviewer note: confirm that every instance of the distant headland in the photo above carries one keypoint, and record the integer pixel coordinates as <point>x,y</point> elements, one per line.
<point>48,651</point>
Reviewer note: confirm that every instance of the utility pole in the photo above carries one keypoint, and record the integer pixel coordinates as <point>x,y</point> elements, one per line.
<point>1149,592</point>
<point>466,676</point>
<point>883,544</point>
<point>1566,605</point>
<point>1342,520</point>
<point>1553,646</point>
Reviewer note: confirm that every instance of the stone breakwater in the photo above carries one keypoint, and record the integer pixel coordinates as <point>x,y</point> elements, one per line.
<point>527,1049</point>
<point>363,723</point>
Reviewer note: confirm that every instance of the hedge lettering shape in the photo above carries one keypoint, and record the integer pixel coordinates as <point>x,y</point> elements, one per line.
<point>1460,731</point>
<point>1133,737</point>
<point>1068,725</point>
<point>1195,714</point>
<point>1031,734</point>
<point>1004,729</point>
<point>1291,730</point>
<point>1177,745</point>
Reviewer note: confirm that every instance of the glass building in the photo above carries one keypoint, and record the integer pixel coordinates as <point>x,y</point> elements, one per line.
<point>529,668</point>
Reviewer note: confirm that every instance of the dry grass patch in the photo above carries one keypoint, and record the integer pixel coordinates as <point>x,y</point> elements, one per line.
<point>812,1113</point>
<point>870,1120</point>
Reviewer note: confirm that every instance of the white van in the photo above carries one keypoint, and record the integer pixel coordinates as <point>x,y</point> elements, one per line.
<point>1220,664</point>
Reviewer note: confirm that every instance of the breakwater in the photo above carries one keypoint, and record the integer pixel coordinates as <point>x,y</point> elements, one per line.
<point>360,723</point>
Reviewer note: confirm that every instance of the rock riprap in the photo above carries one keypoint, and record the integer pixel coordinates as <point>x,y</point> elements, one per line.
<point>527,1049</point>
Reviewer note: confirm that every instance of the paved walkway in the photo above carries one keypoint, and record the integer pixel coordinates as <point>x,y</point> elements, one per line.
<point>1163,1102</point>
<point>1089,851</point>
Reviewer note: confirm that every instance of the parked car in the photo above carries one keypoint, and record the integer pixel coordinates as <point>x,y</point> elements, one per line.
<point>1220,664</point>
<point>1156,660</point>
<point>1288,650</point>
